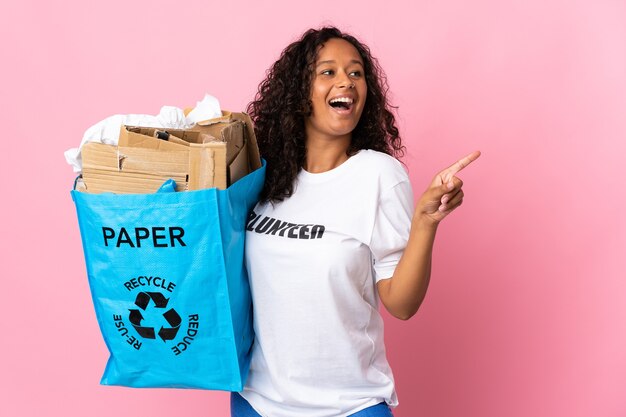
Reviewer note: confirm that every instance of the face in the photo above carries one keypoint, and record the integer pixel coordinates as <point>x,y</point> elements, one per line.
<point>338,91</point>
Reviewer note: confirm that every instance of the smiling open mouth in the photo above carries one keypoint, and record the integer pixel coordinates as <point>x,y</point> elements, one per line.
<point>341,103</point>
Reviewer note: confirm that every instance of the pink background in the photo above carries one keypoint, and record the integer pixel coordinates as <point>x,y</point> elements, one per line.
<point>526,312</point>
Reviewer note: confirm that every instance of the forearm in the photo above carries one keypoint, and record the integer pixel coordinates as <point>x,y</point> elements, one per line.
<point>403,294</point>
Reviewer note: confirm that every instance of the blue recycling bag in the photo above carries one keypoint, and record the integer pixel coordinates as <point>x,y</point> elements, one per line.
<point>169,285</point>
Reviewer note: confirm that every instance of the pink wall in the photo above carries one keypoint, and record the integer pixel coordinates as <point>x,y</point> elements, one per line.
<point>526,311</point>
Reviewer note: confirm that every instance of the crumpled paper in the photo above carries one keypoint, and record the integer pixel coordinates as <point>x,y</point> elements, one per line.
<point>107,131</point>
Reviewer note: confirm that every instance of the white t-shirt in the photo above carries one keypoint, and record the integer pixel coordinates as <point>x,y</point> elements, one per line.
<point>313,261</point>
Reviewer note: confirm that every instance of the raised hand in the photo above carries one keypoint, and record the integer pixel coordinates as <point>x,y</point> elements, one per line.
<point>444,193</point>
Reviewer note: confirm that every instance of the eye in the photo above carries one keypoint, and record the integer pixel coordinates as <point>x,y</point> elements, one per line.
<point>327,72</point>
<point>355,74</point>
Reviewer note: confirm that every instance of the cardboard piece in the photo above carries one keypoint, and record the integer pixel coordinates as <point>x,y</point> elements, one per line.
<point>213,153</point>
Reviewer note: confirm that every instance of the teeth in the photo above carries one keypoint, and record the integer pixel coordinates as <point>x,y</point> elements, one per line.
<point>342,100</point>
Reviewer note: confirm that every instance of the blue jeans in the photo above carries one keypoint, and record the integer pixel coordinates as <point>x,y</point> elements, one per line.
<point>239,407</point>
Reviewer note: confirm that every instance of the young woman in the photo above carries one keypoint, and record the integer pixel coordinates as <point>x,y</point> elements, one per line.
<point>334,232</point>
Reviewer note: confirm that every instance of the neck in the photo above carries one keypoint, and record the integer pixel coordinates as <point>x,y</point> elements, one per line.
<point>324,154</point>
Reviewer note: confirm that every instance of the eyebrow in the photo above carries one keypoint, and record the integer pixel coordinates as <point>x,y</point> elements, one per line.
<point>331,61</point>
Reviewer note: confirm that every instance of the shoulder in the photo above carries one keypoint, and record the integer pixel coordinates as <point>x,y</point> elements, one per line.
<point>380,161</point>
<point>387,169</point>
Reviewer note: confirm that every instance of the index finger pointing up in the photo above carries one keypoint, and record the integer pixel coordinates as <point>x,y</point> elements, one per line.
<point>459,165</point>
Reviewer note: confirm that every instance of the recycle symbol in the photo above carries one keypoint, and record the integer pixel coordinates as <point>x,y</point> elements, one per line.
<point>171,316</point>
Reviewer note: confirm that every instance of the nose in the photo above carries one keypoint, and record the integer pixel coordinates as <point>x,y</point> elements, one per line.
<point>345,81</point>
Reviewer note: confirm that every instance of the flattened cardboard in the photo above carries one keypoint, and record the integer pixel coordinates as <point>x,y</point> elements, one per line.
<point>253,150</point>
<point>254,155</point>
<point>201,167</point>
<point>213,153</point>
<point>143,138</point>
<point>107,168</point>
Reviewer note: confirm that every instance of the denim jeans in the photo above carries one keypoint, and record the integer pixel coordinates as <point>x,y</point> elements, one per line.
<point>239,407</point>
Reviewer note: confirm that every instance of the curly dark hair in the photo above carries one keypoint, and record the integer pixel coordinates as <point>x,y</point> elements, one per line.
<point>282,104</point>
